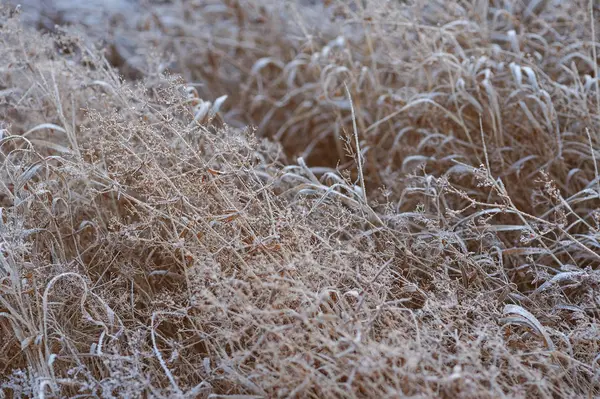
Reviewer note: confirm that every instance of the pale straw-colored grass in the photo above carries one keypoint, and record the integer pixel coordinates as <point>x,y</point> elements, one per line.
<point>280,199</point>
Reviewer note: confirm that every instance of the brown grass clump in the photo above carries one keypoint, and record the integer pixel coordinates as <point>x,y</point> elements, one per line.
<point>393,199</point>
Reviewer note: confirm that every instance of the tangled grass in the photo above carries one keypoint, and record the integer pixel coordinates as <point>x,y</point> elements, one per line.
<point>284,199</point>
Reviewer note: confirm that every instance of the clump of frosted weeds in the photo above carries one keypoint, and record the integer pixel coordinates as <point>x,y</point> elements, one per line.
<point>153,245</point>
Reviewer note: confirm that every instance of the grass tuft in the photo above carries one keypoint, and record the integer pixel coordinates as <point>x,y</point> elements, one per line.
<point>243,199</point>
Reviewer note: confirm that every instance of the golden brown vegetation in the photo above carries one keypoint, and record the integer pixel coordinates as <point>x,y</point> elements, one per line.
<point>393,199</point>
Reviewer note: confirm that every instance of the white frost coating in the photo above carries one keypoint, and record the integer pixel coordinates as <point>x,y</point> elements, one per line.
<point>531,77</point>
<point>517,73</point>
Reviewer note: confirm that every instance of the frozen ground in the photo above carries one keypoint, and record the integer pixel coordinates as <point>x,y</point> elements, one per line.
<point>91,13</point>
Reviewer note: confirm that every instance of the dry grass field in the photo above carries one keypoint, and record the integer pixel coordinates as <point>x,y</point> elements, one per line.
<point>300,199</point>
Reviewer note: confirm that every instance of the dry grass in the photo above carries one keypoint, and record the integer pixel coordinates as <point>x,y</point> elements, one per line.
<point>412,211</point>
